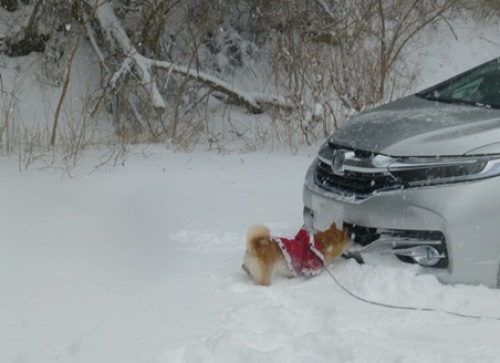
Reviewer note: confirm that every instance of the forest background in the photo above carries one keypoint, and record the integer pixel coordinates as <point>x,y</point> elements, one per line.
<point>82,74</point>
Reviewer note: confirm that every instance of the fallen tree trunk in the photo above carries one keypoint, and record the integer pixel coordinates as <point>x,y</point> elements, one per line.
<point>105,15</point>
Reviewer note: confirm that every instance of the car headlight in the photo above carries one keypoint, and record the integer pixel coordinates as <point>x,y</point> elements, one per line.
<point>417,171</point>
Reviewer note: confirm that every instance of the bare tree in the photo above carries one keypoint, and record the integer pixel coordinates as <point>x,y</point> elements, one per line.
<point>341,57</point>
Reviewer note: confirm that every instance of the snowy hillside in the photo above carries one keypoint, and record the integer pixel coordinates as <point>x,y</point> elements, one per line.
<point>140,262</point>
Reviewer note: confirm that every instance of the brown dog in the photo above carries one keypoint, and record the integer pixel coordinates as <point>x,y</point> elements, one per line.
<point>306,254</point>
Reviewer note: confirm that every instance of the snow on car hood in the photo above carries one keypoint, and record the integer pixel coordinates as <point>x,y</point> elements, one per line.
<point>413,126</point>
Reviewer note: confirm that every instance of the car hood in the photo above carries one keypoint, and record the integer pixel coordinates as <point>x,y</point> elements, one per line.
<point>413,126</point>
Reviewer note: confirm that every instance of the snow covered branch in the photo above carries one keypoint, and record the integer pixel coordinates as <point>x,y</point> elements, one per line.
<point>326,8</point>
<point>106,17</point>
<point>212,82</point>
<point>105,14</point>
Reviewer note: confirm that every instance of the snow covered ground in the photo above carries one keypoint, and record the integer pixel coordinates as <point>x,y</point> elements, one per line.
<point>141,263</point>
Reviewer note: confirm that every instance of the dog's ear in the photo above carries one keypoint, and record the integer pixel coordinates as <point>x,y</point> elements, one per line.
<point>347,234</point>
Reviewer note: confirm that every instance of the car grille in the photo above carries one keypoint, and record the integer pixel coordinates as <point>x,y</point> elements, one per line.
<point>351,183</point>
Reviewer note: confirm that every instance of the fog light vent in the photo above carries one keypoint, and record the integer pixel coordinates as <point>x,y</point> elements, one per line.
<point>423,255</point>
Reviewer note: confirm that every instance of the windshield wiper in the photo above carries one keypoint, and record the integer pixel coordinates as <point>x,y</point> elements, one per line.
<point>457,101</point>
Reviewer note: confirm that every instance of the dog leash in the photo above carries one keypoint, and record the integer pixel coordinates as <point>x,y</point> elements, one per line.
<point>412,308</point>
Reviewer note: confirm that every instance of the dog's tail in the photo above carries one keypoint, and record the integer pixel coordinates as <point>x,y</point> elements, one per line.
<point>258,235</point>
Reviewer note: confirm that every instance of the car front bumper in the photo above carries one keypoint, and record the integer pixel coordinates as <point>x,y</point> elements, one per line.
<point>465,215</point>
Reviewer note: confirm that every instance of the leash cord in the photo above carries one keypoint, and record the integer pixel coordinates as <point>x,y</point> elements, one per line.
<point>399,307</point>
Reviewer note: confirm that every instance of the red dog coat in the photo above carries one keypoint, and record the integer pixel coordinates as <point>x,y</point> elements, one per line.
<point>302,254</point>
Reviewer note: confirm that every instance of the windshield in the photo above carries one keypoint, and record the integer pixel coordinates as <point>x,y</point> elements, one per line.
<point>479,87</point>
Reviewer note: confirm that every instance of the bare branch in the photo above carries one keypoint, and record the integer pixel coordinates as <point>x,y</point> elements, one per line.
<point>108,20</point>
<point>106,16</point>
<point>213,82</point>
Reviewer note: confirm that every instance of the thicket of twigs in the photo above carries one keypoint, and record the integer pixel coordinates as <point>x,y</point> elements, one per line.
<point>178,71</point>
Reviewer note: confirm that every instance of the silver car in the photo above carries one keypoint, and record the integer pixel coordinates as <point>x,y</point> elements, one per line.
<point>419,179</point>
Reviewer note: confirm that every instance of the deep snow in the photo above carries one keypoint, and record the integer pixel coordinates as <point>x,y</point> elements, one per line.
<point>141,263</point>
